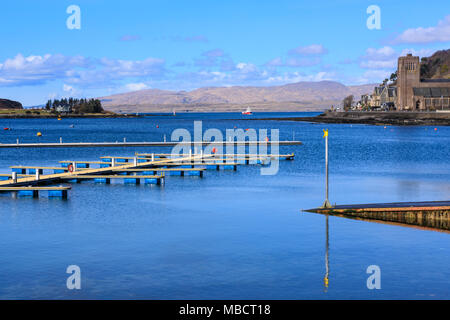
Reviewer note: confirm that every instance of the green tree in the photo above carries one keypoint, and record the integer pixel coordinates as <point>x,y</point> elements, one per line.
<point>56,103</point>
<point>393,77</point>
<point>347,102</point>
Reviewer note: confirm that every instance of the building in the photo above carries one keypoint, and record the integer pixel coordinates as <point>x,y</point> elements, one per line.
<point>365,101</point>
<point>388,97</point>
<point>64,109</point>
<point>414,93</point>
<point>384,96</point>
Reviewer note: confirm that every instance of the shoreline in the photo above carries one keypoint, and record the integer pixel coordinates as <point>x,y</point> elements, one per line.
<point>376,118</point>
<point>71,116</point>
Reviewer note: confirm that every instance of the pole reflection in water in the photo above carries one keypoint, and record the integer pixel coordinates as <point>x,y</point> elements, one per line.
<point>327,267</point>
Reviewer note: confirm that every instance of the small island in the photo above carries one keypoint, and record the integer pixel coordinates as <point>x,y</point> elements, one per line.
<point>59,108</point>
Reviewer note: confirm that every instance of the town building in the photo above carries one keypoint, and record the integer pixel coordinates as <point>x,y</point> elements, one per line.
<point>409,91</point>
<point>64,109</point>
<point>384,97</point>
<point>416,94</point>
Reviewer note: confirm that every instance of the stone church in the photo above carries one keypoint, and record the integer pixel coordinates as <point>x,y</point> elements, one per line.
<point>417,94</point>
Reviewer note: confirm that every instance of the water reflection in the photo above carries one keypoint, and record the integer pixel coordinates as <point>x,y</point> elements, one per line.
<point>438,221</point>
<point>409,189</point>
<point>327,266</point>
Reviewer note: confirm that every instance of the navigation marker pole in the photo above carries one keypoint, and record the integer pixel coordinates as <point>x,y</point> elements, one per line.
<point>326,204</point>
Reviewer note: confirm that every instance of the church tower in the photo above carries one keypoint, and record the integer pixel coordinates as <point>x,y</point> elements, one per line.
<point>408,77</point>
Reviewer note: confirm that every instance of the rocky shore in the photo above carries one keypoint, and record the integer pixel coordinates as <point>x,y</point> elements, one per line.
<point>378,118</point>
<point>77,116</point>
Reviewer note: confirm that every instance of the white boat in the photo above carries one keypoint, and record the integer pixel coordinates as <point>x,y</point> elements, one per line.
<point>247,112</point>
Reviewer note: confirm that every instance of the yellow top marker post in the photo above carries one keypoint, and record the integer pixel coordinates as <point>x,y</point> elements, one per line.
<point>326,204</point>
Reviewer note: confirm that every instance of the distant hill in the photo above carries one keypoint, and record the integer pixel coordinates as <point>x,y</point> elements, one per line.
<point>437,66</point>
<point>10,104</point>
<point>39,106</point>
<point>298,96</point>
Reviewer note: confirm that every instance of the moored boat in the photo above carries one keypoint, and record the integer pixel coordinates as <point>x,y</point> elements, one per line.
<point>247,112</point>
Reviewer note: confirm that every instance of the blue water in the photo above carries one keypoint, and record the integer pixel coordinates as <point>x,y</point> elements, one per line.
<point>232,234</point>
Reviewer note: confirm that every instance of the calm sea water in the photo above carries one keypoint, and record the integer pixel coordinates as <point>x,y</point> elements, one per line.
<point>229,235</point>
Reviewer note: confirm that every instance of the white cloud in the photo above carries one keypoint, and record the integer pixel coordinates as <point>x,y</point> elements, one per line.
<point>302,62</point>
<point>302,56</point>
<point>382,58</point>
<point>381,62</point>
<point>136,86</point>
<point>22,70</point>
<point>276,62</point>
<point>384,53</point>
<point>246,67</point>
<point>373,76</point>
<point>386,57</point>
<point>313,49</point>
<point>69,89</point>
<point>215,58</point>
<point>84,71</point>
<point>214,53</point>
<point>290,77</point>
<point>203,77</point>
<point>249,72</point>
<point>374,64</point>
<point>439,33</point>
<point>131,68</point>
<point>294,62</point>
<point>420,53</point>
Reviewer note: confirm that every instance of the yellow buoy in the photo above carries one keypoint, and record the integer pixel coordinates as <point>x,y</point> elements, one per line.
<point>39,134</point>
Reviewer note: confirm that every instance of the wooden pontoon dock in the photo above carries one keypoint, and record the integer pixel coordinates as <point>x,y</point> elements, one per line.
<point>28,180</point>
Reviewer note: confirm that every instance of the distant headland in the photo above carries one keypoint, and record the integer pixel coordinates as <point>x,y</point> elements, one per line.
<point>6,104</point>
<point>63,108</point>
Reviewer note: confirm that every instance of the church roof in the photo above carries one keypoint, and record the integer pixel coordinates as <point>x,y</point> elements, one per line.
<point>435,80</point>
<point>432,92</point>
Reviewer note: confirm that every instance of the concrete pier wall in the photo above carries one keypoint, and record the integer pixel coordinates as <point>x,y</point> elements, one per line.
<point>436,217</point>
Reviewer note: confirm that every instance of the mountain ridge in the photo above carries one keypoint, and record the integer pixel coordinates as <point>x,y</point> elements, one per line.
<point>298,96</point>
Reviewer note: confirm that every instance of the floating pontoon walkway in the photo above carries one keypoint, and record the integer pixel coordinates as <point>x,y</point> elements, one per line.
<point>222,156</point>
<point>31,191</point>
<point>39,179</point>
<point>129,169</point>
<point>434,214</point>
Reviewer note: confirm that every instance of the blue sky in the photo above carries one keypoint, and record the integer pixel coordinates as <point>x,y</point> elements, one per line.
<point>182,45</point>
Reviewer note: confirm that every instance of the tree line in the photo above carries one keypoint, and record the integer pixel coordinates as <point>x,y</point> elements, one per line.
<point>76,105</point>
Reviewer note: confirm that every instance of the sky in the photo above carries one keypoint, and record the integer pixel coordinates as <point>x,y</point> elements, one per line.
<point>120,46</point>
